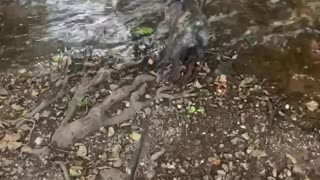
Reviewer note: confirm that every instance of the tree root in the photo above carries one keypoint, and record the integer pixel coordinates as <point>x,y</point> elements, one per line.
<point>48,102</point>
<point>184,94</point>
<point>66,134</point>
<point>82,89</point>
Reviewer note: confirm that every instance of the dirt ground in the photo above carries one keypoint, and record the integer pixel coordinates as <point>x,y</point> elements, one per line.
<point>259,120</point>
<point>242,128</point>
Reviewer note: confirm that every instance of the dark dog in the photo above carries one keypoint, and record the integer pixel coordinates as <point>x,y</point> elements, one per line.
<point>188,38</point>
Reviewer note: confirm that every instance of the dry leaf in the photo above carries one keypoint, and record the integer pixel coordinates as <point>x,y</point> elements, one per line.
<point>14,145</point>
<point>12,137</point>
<point>82,151</point>
<point>135,136</point>
<point>3,146</point>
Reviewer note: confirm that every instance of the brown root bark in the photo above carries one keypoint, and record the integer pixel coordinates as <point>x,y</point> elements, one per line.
<point>67,133</point>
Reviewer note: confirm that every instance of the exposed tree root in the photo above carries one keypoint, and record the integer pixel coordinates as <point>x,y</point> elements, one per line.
<point>186,93</point>
<point>66,134</point>
<point>82,89</point>
<point>50,101</point>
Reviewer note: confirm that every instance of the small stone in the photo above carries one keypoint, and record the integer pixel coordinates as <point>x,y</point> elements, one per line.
<point>22,71</point>
<point>3,92</point>
<point>239,154</point>
<point>289,173</point>
<point>312,105</point>
<point>245,136</point>
<point>287,106</point>
<point>235,141</point>
<point>150,174</point>
<point>228,156</point>
<point>225,167</point>
<point>179,106</point>
<point>38,141</point>
<point>182,171</point>
<point>221,173</point>
<point>118,163</point>
<point>127,103</point>
<point>110,131</point>
<point>147,96</point>
<point>245,166</point>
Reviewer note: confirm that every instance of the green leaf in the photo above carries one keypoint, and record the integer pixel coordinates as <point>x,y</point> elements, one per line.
<point>143,31</point>
<point>135,136</point>
<point>201,110</point>
<point>191,109</point>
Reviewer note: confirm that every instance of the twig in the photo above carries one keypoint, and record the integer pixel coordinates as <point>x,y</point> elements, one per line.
<point>64,169</point>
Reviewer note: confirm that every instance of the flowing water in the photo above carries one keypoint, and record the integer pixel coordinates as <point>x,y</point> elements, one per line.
<point>281,35</point>
<point>34,29</point>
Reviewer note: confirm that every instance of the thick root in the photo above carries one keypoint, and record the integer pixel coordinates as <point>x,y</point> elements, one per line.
<point>66,134</point>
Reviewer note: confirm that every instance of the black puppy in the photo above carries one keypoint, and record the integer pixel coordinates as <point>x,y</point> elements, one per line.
<point>188,37</point>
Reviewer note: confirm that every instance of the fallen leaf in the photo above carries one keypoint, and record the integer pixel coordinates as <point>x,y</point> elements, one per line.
<point>191,109</point>
<point>12,137</point>
<point>258,153</point>
<point>201,110</point>
<point>34,93</point>
<point>14,145</point>
<point>3,146</point>
<point>75,171</point>
<point>82,151</point>
<point>17,107</point>
<point>135,136</point>
<point>26,149</point>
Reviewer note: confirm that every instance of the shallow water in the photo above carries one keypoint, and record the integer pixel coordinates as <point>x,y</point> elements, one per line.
<point>55,24</point>
<point>269,38</point>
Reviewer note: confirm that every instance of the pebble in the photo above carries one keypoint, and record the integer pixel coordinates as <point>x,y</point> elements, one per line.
<point>225,167</point>
<point>245,166</point>
<point>245,136</point>
<point>228,156</point>
<point>289,173</point>
<point>221,173</point>
<point>151,174</point>
<point>118,163</point>
<point>182,171</point>
<point>239,154</point>
<point>287,106</point>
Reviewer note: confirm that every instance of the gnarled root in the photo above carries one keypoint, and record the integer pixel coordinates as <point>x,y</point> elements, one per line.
<point>67,133</point>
